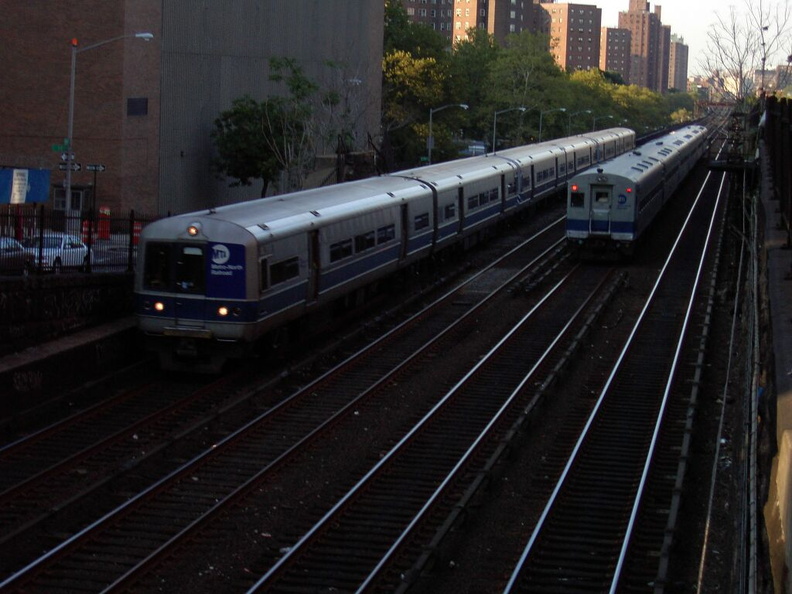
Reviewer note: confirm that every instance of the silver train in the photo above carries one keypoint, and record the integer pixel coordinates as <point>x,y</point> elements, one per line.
<point>210,284</point>
<point>609,207</point>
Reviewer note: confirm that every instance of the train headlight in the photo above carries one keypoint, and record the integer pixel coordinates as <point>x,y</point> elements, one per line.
<point>194,229</point>
<point>157,306</point>
<point>222,311</point>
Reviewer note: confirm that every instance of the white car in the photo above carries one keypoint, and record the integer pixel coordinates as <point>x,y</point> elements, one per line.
<point>58,251</point>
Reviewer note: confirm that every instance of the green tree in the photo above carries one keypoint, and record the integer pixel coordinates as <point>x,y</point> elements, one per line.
<point>415,77</point>
<point>270,140</point>
<point>417,39</point>
<point>469,79</point>
<point>242,149</point>
<point>525,74</point>
<point>289,129</point>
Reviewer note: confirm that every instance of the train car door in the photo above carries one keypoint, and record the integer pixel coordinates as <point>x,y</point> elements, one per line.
<point>503,188</point>
<point>190,275</point>
<point>405,232</point>
<point>461,209</point>
<point>600,219</point>
<point>315,267</point>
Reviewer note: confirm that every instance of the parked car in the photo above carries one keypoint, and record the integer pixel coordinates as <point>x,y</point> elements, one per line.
<point>58,251</point>
<point>14,258</point>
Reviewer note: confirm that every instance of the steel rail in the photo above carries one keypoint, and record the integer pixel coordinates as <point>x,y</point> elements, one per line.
<point>386,459</point>
<point>196,461</point>
<point>512,583</point>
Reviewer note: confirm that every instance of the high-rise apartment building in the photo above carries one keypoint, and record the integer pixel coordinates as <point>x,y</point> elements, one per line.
<point>574,31</point>
<point>647,45</point>
<point>615,47</point>
<point>678,64</point>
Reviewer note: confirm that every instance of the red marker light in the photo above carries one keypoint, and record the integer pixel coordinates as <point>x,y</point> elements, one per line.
<point>574,188</point>
<point>629,190</point>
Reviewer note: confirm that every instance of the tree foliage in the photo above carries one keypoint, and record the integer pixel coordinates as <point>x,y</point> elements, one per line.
<point>242,149</point>
<point>277,138</point>
<point>271,140</point>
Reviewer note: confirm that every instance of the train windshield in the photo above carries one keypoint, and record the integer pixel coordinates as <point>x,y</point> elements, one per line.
<point>174,267</point>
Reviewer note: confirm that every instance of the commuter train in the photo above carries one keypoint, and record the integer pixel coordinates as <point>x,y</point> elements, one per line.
<point>610,207</point>
<point>210,284</point>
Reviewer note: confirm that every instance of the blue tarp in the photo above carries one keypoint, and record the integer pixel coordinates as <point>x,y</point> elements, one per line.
<point>23,186</point>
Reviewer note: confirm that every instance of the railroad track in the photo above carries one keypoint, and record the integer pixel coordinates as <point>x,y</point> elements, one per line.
<point>372,534</point>
<point>241,460</point>
<point>607,523</point>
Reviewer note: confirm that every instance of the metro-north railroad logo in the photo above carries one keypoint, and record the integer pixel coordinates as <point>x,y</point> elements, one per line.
<point>220,254</point>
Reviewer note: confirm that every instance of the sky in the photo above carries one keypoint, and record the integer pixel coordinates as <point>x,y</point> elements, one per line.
<point>689,19</point>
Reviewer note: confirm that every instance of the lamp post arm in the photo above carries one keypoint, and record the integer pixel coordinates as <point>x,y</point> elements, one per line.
<point>143,36</point>
<point>75,49</point>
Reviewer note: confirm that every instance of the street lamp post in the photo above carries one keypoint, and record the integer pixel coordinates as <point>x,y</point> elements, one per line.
<point>69,138</point>
<point>430,140</point>
<point>495,123</point>
<point>595,118</point>
<point>541,115</point>
<point>569,123</point>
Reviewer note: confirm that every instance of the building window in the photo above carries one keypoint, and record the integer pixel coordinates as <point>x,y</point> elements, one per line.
<point>137,106</point>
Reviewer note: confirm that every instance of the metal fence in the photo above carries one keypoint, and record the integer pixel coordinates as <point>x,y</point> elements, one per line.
<point>36,240</point>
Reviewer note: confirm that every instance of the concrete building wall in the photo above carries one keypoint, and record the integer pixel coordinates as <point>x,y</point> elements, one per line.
<point>145,109</point>
<point>213,55</point>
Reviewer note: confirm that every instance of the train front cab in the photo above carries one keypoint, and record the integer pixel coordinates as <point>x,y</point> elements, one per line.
<point>192,294</point>
<point>600,214</point>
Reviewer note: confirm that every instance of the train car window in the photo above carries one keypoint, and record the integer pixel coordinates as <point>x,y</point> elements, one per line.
<point>156,272</point>
<point>263,278</point>
<point>364,241</point>
<point>385,234</point>
<point>287,269</point>
<point>577,199</point>
<point>190,269</point>
<point>449,212</point>
<point>421,221</point>
<point>602,197</point>
<point>511,188</point>
<point>473,202</point>
<point>340,250</point>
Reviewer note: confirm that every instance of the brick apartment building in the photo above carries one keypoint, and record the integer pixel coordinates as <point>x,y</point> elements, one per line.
<point>574,31</point>
<point>639,49</point>
<point>615,47</point>
<point>453,18</point>
<point>145,110</point>
<point>646,51</point>
<point>678,64</point>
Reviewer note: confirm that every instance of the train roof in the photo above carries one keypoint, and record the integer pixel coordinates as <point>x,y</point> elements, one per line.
<point>652,154</point>
<point>299,210</point>
<point>528,153</point>
<point>456,173</point>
